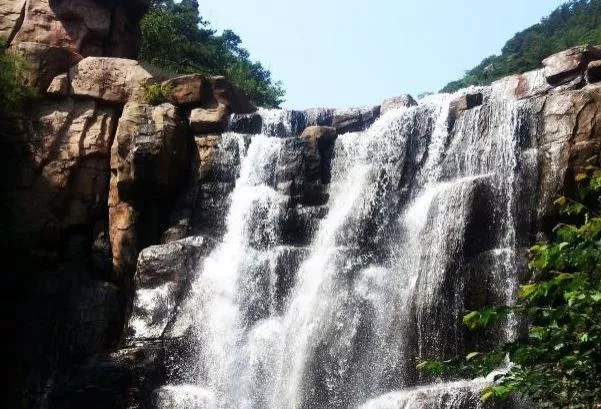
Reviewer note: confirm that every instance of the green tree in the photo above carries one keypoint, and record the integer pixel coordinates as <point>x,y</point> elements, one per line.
<point>557,362</point>
<point>177,39</point>
<point>576,22</point>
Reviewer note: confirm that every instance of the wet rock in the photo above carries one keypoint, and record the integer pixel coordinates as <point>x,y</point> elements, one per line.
<point>319,116</point>
<point>112,80</point>
<point>208,120</point>
<point>300,224</point>
<point>283,123</point>
<point>354,119</point>
<point>404,101</point>
<point>527,85</point>
<point>124,378</point>
<point>96,317</point>
<point>163,275</point>
<point>248,124</point>
<point>319,152</point>
<point>565,66</point>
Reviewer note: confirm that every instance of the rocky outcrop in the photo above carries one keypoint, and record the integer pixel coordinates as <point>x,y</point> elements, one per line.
<point>111,80</point>
<point>54,36</point>
<point>150,156</point>
<point>88,28</point>
<point>569,65</point>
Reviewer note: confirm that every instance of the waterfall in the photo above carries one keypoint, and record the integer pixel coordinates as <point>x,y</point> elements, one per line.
<point>416,202</point>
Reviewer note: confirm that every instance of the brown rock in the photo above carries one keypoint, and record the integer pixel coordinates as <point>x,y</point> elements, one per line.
<point>45,61</point>
<point>209,120</point>
<point>569,140</point>
<point>224,93</point>
<point>316,134</point>
<point>149,157</point>
<point>188,89</point>
<point>86,27</point>
<point>11,16</point>
<point>59,85</point>
<point>593,72</point>
<point>115,80</point>
<point>207,148</point>
<point>566,65</point>
<point>526,85</point>
<point>404,100</point>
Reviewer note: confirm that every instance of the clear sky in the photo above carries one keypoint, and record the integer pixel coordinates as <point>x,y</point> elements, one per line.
<point>341,53</point>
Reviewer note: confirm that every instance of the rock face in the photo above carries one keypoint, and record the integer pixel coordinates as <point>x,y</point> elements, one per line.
<point>55,35</point>
<point>150,156</point>
<point>107,28</point>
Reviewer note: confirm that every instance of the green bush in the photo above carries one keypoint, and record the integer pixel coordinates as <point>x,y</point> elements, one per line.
<point>14,91</point>
<point>156,94</point>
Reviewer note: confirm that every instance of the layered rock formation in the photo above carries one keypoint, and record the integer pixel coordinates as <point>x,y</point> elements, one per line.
<point>110,201</point>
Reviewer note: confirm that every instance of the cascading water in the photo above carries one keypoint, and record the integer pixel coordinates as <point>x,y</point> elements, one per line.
<point>385,278</point>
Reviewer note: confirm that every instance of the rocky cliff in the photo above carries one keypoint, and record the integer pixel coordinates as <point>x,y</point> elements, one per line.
<point>109,201</point>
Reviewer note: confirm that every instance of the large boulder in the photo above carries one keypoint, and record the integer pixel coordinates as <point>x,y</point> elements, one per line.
<point>112,80</point>
<point>568,65</point>
<point>149,158</point>
<point>246,123</point>
<point>197,90</point>
<point>208,120</point>
<point>187,89</point>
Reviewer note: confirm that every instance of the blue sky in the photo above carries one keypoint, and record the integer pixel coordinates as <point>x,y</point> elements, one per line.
<point>341,53</point>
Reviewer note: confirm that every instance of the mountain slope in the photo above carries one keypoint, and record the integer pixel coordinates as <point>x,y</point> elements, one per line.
<point>575,23</point>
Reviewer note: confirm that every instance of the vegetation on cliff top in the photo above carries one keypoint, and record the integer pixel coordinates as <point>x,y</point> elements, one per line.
<point>177,39</point>
<point>557,362</point>
<point>577,22</point>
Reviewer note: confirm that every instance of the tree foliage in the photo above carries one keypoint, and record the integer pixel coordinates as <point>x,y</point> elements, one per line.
<point>177,39</point>
<point>557,363</point>
<point>577,22</point>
